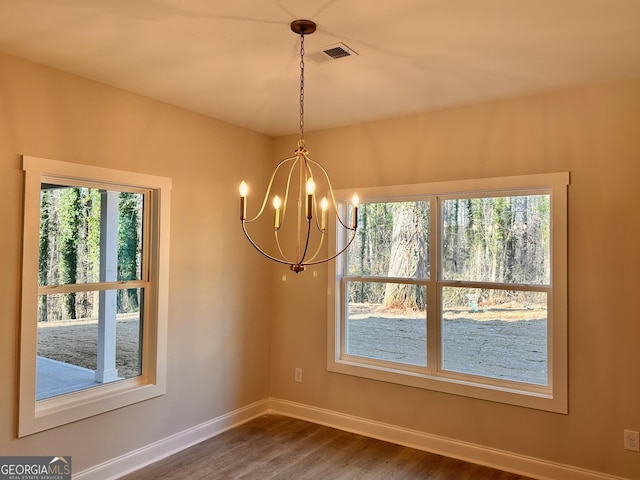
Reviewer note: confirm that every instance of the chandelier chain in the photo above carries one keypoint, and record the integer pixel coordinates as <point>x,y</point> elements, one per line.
<point>301,89</point>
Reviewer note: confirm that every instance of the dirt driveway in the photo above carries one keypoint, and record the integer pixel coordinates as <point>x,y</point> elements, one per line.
<point>77,343</point>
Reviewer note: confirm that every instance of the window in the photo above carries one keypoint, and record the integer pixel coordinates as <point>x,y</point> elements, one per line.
<point>458,287</point>
<point>94,291</point>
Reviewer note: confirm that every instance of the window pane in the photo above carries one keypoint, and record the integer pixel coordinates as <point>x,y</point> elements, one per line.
<point>495,333</point>
<point>378,327</point>
<point>392,240</point>
<point>497,239</point>
<point>68,348</point>
<point>74,221</point>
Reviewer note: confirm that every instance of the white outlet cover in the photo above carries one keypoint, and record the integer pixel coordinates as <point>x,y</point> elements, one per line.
<point>632,440</point>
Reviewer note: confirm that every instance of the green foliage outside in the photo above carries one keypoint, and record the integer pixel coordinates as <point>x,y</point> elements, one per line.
<point>69,249</point>
<point>128,247</point>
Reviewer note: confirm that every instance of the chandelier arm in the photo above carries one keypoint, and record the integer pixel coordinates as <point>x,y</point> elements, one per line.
<point>270,257</point>
<point>333,198</point>
<point>338,216</point>
<point>268,191</point>
<point>306,245</point>
<point>320,243</point>
<point>299,216</point>
<point>307,162</point>
<point>317,217</point>
<point>286,191</point>
<point>289,262</point>
<point>328,259</point>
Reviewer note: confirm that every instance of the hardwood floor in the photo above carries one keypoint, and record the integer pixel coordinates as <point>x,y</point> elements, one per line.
<point>279,447</point>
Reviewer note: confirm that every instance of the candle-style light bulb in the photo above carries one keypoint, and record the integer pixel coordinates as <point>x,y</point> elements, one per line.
<point>324,204</point>
<point>244,189</point>
<point>354,214</point>
<point>277,203</point>
<point>311,187</point>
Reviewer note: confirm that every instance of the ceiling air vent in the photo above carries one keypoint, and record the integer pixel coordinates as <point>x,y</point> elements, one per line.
<point>332,52</point>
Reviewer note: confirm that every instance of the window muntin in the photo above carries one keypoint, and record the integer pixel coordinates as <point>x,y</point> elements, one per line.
<point>137,286</point>
<point>539,381</point>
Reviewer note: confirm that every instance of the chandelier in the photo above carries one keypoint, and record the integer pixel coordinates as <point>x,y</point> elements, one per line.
<point>299,179</point>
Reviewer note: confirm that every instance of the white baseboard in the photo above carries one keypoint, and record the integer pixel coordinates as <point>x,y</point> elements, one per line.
<point>148,454</point>
<point>503,460</point>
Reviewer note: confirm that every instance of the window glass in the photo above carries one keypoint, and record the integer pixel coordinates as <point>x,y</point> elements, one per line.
<point>392,240</point>
<point>71,352</point>
<point>495,333</point>
<point>379,327</point>
<point>70,232</point>
<point>496,239</point>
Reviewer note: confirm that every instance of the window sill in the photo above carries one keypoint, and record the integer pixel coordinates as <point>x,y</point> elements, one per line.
<point>512,393</point>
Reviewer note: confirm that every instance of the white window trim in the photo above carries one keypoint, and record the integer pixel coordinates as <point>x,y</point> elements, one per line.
<point>35,416</point>
<point>550,398</point>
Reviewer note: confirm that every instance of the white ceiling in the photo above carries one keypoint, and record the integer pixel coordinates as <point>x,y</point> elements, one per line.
<point>237,60</point>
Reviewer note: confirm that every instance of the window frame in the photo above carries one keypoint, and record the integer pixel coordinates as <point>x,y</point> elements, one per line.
<point>38,415</point>
<point>551,397</point>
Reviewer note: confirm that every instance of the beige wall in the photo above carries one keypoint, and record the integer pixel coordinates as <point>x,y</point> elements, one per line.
<point>226,301</point>
<point>218,328</point>
<point>591,132</point>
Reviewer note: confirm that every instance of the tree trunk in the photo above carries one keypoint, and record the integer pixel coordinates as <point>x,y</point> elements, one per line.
<point>407,258</point>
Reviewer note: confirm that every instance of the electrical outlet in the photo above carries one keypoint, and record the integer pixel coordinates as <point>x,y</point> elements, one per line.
<point>298,378</point>
<point>631,441</point>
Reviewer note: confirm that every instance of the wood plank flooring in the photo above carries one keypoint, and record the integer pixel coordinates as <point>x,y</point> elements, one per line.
<point>279,447</point>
